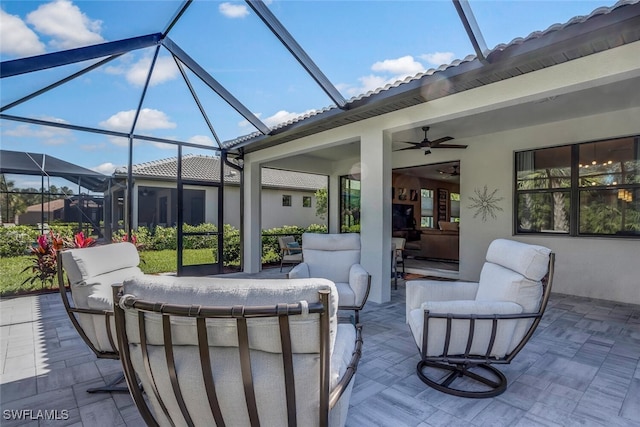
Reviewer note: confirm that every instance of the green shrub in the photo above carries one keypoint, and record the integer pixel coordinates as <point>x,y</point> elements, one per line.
<point>164,238</point>
<point>231,249</point>
<point>317,228</point>
<point>351,229</point>
<point>200,242</point>
<point>16,240</point>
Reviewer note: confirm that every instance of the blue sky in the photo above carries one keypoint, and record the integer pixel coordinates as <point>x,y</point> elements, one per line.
<point>359,45</point>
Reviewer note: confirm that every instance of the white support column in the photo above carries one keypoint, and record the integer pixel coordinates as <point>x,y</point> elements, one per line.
<point>252,233</point>
<point>334,203</point>
<point>375,208</point>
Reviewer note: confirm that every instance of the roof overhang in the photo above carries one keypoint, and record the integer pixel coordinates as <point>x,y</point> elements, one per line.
<point>604,29</point>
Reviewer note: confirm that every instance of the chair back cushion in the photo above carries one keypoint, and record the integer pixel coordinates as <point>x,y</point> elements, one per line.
<point>331,255</point>
<point>513,272</point>
<point>91,272</point>
<point>531,261</point>
<point>94,261</point>
<point>221,292</point>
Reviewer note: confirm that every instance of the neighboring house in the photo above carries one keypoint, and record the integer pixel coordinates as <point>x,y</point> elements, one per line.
<point>288,198</point>
<point>553,157</point>
<point>64,210</point>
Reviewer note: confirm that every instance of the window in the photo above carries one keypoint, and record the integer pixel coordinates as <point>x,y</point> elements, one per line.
<point>426,208</point>
<point>454,200</point>
<point>306,201</point>
<point>349,204</point>
<point>589,189</point>
<point>286,200</point>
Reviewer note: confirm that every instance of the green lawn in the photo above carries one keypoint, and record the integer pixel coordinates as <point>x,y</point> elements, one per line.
<point>11,276</point>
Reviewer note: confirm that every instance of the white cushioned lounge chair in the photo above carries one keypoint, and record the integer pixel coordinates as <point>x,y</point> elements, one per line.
<point>89,302</point>
<point>236,352</point>
<point>462,328</point>
<point>336,257</point>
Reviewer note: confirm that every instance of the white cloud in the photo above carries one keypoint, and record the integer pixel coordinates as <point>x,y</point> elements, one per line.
<point>106,168</point>
<point>233,10</point>
<point>149,119</point>
<point>46,134</point>
<point>16,38</point>
<point>403,66</point>
<point>164,70</point>
<point>438,58</point>
<point>385,72</point>
<point>66,24</point>
<point>201,140</point>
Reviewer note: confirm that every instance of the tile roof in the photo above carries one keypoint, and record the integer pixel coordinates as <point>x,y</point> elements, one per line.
<point>536,42</point>
<point>207,169</point>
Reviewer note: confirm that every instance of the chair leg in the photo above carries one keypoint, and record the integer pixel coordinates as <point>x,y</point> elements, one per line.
<point>492,384</point>
<point>112,387</point>
<point>281,261</point>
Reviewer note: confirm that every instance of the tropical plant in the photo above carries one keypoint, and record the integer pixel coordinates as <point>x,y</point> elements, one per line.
<point>322,203</point>
<point>43,265</point>
<point>45,251</point>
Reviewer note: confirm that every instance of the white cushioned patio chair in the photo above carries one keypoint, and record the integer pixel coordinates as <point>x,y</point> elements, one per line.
<point>336,257</point>
<point>463,328</point>
<point>89,301</point>
<point>236,352</point>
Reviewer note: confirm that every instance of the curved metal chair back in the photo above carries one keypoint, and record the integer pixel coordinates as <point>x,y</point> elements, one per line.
<point>135,319</point>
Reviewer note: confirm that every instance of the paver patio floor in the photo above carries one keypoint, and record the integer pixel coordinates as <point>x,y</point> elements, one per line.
<point>582,367</point>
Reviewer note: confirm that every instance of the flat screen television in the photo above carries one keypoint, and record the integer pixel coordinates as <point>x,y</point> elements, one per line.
<point>402,217</point>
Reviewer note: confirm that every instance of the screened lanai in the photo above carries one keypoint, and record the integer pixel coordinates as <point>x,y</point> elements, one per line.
<point>150,80</point>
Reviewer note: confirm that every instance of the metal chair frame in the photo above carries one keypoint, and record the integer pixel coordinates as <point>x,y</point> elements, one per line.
<point>240,314</point>
<point>460,366</point>
<point>71,310</point>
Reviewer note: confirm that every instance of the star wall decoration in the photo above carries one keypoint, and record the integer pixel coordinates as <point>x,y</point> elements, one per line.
<point>485,203</point>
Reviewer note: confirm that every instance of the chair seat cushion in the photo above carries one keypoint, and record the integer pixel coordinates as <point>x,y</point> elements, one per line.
<point>98,288</point>
<point>460,328</point>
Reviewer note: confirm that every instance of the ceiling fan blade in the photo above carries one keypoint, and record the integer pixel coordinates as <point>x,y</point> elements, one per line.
<point>415,147</point>
<point>441,140</point>
<point>449,146</point>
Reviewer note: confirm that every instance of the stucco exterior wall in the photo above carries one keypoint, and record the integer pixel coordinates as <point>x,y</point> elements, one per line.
<point>593,267</point>
<point>274,214</point>
<point>606,268</point>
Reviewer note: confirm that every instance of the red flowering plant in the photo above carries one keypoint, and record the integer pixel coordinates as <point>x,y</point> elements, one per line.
<point>125,237</point>
<point>83,242</point>
<point>44,265</point>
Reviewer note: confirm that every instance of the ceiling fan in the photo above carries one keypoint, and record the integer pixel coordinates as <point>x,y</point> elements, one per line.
<point>454,172</point>
<point>427,145</point>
